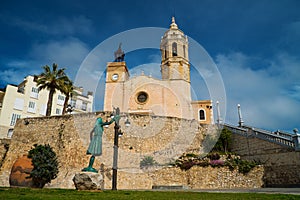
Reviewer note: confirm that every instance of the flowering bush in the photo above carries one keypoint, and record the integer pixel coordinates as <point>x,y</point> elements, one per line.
<point>216,163</point>
<point>231,161</point>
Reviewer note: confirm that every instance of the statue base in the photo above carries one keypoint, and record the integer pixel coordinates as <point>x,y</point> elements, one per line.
<point>88,181</point>
<point>89,169</point>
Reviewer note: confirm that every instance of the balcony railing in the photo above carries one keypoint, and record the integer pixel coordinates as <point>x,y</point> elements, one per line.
<point>278,137</point>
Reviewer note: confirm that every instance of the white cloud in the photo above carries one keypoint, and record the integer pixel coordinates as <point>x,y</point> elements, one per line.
<point>11,76</point>
<point>17,70</point>
<point>59,26</point>
<point>67,54</point>
<point>149,69</point>
<point>17,63</point>
<point>265,94</point>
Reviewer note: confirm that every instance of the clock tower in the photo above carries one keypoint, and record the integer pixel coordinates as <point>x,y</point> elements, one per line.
<point>116,74</point>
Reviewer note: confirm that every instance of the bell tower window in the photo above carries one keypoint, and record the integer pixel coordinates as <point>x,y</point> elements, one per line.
<point>174,49</point>
<point>201,115</point>
<point>184,51</point>
<point>166,53</point>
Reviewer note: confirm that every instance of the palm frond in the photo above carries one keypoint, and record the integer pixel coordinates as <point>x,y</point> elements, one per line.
<point>52,80</point>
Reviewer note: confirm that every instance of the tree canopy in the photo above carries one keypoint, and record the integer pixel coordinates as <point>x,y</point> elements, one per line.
<point>52,80</point>
<point>45,165</point>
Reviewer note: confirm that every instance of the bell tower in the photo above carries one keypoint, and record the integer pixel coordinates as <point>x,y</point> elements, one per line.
<point>174,54</point>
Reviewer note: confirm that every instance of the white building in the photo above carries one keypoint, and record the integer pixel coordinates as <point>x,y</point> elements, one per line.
<point>25,100</point>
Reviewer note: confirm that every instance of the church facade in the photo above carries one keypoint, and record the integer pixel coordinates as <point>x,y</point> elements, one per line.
<point>168,96</point>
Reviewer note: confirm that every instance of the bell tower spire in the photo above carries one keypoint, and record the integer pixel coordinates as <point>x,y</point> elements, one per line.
<point>174,54</point>
<point>173,24</point>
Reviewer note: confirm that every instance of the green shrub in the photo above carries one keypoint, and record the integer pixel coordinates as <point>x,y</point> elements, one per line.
<point>213,156</point>
<point>243,166</point>
<point>187,164</point>
<point>147,161</point>
<point>45,165</point>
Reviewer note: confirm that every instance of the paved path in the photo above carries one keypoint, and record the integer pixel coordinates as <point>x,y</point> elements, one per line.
<point>258,190</point>
<point>295,191</point>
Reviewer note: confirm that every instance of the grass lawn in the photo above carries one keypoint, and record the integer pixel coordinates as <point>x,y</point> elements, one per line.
<point>60,194</point>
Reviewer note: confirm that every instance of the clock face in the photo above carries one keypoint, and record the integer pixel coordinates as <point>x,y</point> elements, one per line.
<point>115,77</point>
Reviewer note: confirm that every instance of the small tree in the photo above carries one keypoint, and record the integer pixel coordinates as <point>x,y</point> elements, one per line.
<point>45,165</point>
<point>224,142</point>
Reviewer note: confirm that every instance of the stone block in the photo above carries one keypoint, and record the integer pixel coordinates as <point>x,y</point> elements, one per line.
<point>88,181</point>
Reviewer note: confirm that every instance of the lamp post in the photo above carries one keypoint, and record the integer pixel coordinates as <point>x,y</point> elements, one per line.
<point>117,133</point>
<point>296,139</point>
<point>241,122</point>
<point>218,114</point>
<point>69,109</point>
<point>115,156</point>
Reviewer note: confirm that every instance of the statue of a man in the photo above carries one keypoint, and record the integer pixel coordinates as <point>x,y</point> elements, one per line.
<point>95,146</point>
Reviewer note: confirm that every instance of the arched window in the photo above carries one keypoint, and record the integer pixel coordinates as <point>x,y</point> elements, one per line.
<point>174,49</point>
<point>184,51</point>
<point>202,115</point>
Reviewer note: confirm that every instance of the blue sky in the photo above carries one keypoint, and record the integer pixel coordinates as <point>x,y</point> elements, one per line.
<point>255,45</point>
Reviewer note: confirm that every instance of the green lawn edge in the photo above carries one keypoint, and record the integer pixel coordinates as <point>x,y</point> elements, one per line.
<point>28,193</point>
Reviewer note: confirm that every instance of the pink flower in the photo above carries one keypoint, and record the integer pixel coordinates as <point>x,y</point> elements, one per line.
<point>216,162</point>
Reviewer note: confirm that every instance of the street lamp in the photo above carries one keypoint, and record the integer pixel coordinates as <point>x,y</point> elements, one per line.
<point>117,133</point>
<point>69,108</point>
<point>127,123</point>
<point>241,122</point>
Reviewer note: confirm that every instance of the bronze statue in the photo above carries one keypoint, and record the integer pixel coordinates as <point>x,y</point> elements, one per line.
<point>95,146</point>
<point>119,54</point>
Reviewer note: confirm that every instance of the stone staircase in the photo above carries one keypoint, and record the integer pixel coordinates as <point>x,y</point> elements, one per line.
<point>279,137</point>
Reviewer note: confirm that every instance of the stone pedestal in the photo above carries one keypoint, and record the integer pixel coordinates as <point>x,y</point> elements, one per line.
<point>88,181</point>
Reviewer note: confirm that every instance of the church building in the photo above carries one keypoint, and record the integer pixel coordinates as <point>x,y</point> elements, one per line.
<point>168,96</point>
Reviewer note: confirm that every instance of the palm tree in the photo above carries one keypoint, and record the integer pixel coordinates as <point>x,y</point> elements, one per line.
<point>67,90</point>
<point>52,81</point>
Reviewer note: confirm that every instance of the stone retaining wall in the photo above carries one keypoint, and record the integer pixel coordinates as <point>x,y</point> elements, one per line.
<point>194,178</point>
<point>163,138</point>
<point>4,145</point>
<point>282,164</point>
